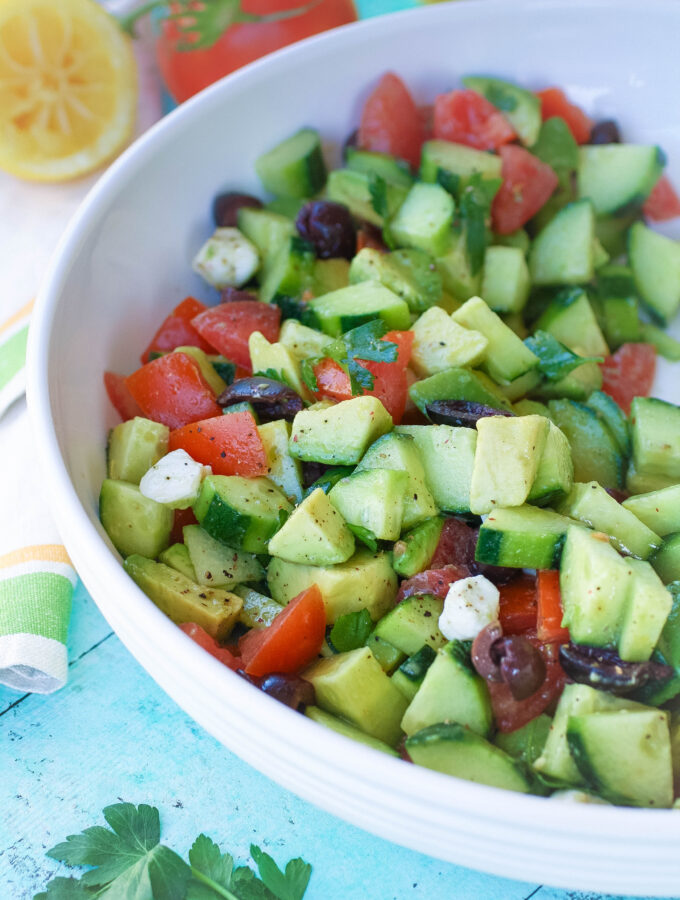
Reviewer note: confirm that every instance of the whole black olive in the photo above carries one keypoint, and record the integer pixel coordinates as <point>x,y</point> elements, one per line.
<point>480,654</point>
<point>604,670</point>
<point>289,689</point>
<point>461,413</point>
<point>271,399</point>
<point>330,227</point>
<point>227,205</point>
<point>521,665</point>
<point>605,132</point>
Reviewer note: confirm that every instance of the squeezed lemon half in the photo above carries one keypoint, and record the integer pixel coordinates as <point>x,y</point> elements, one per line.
<point>68,88</point>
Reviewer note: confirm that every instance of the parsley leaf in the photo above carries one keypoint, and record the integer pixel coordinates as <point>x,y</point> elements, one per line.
<point>555,360</point>
<point>288,885</point>
<point>365,535</point>
<point>361,343</point>
<point>351,630</point>
<point>449,181</point>
<point>307,372</point>
<point>475,210</point>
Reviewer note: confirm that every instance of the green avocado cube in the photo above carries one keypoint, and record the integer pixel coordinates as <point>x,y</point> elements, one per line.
<point>339,435</point>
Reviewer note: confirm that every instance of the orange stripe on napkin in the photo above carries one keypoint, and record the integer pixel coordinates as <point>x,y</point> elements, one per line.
<point>40,552</point>
<point>19,314</point>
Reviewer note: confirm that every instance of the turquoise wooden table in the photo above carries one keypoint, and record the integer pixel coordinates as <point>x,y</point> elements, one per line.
<point>111,734</point>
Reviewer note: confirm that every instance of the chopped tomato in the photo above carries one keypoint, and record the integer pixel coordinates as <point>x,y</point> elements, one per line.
<point>228,326</point>
<point>528,183</point>
<point>171,390</point>
<point>663,203</point>
<point>177,330</point>
<point>549,622</point>
<point>465,117</point>
<point>203,639</point>
<point>511,714</point>
<point>391,122</point>
<point>555,103</point>
<point>432,581</point>
<point>292,640</point>
<point>119,394</point>
<point>518,605</point>
<point>427,118</point>
<point>230,444</point>
<point>457,543</point>
<point>629,373</point>
<point>182,517</point>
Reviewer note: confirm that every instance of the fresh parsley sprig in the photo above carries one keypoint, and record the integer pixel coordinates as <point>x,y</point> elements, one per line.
<point>130,862</point>
<point>359,344</point>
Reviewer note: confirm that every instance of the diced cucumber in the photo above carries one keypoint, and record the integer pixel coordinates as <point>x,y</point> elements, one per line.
<point>658,510</point>
<point>340,434</point>
<point>617,178</point>
<point>611,414</point>
<point>519,239</point>
<point>133,447</point>
<point>424,219</point>
<point>655,261</point>
<point>457,384</point>
<point>664,344</point>
<point>381,164</point>
<point>562,253</point>
<point>525,537</point>
<point>527,742</point>
<point>505,279</point>
<point>182,600</point>
<point>521,386</point>
<point>620,321</point>
<point>454,750</point>
<point>216,565</point>
<point>649,604</point>
<point>556,147</point>
<point>666,561</point>
<point>454,268</point>
<point>295,167</point>
<point>447,454</point>
<point>352,306</point>
<point>456,159</point>
<point>594,450</point>
<point>316,714</point>
<point>133,522</point>
<point>388,656</point>
<point>644,482</point>
<point>283,469</point>
<point>579,384</point>
<point>258,611</point>
<point>290,271</point>
<point>240,512</point>
<point>441,343</point>
<point>656,437</point>
<point>410,674</point>
<point>530,408</point>
<point>522,108</point>
<point>315,534</point>
<point>555,473</point>
<point>409,273</point>
<point>414,552</point>
<point>373,499</point>
<point>177,557</point>
<point>570,318</point>
<point>353,190</point>
<point>413,623</point>
<point>269,231</point>
<point>286,206</point>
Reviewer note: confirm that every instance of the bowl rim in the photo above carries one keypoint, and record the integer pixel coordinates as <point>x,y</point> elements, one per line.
<point>485,804</point>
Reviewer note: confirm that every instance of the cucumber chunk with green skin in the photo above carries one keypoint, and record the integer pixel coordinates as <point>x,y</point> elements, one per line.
<point>624,755</point>
<point>316,714</point>
<point>134,523</point>
<point>283,469</point>
<point>621,321</point>
<point>340,434</point>
<point>440,343</point>
<point>424,219</point>
<point>133,447</point>
<point>555,473</point>
<point>457,384</point>
<point>381,164</point>
<point>451,691</point>
<point>454,750</point>
<point>349,307</point>
<point>649,604</point>
<point>177,557</point>
<point>410,273</point>
<point>577,385</point>
<point>519,239</point>
<point>454,267</point>
<point>656,437</point>
<point>570,318</point>
<point>592,505</point>
<point>521,107</point>
<point>314,534</point>
<point>666,560</point>
<point>655,261</point>
<point>525,537</point>
<point>658,510</point>
<point>366,581</point>
<point>505,279</point>
<point>617,178</point>
<point>182,600</point>
<point>388,656</point>
<point>562,252</point>
<point>609,412</point>
<point>530,408</point>
<point>240,512</point>
<point>290,271</point>
<point>216,565</point>
<point>413,623</point>
<point>447,454</point>
<point>645,482</point>
<point>594,450</point>
<point>257,611</point>
<point>456,159</point>
<point>527,742</point>
<point>269,231</point>
<point>295,167</point>
<point>414,552</point>
<point>373,499</point>
<point>353,686</point>
<point>355,191</point>
<point>612,232</point>
<point>411,673</point>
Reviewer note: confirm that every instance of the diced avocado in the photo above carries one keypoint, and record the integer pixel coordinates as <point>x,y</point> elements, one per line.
<point>182,600</point>
<point>411,274</point>
<point>353,190</point>
<point>329,275</point>
<point>577,699</point>
<point>315,534</point>
<point>590,503</point>
<point>357,304</point>
<point>451,691</point>
<point>522,108</point>
<point>133,522</point>
<point>211,376</point>
<point>366,581</point>
<point>414,552</point>
<point>646,613</point>
<point>283,469</point>
<point>410,674</point>
<point>658,510</point>
<point>447,454</point>
<point>521,386</point>
<point>530,408</point>
<point>505,279</point>
<point>134,446</point>
<point>353,686</point>
<point>388,656</point>
<point>240,512</point>
<point>265,356</point>
<point>454,267</point>
<point>302,341</point>
<point>440,343</point>
<point>177,557</point>
<point>457,384</point>
<point>507,457</point>
<point>424,219</point>
<point>624,755</point>
<point>618,177</point>
<point>555,473</point>
<point>456,159</point>
<point>373,499</point>
<point>412,623</point>
<point>562,252</point>
<point>656,437</point>
<point>216,565</point>
<point>522,537</point>
<point>594,450</point>
<point>258,611</point>
<point>316,714</point>
<point>399,451</point>
<point>295,167</point>
<point>340,434</point>
<point>527,742</point>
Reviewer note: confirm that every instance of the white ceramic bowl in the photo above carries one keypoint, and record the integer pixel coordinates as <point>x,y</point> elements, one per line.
<point>124,263</point>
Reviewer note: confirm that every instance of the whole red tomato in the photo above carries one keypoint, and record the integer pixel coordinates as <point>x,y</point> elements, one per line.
<point>187,70</point>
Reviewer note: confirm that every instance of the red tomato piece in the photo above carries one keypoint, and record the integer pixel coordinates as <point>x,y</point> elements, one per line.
<point>511,714</point>
<point>171,390</point>
<point>518,607</point>
<point>119,394</point>
<point>663,203</point>
<point>203,639</point>
<point>466,117</point>
<point>555,103</point>
<point>549,621</point>
<point>292,640</point>
<point>432,581</point>
<point>391,122</point>
<point>228,326</point>
<point>182,517</point>
<point>629,373</point>
<point>528,183</point>
<point>456,545</point>
<point>230,444</point>
<point>177,330</point>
